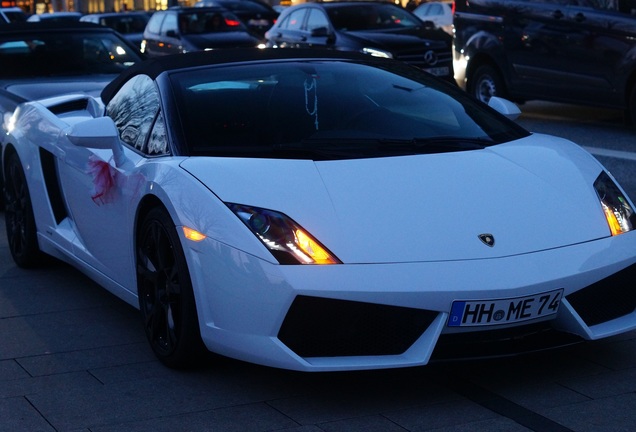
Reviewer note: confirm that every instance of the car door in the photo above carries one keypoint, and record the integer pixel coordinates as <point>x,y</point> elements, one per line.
<point>100,190</point>
<point>318,29</point>
<point>289,33</point>
<point>170,36</point>
<point>152,34</point>
<point>537,41</point>
<point>602,49</point>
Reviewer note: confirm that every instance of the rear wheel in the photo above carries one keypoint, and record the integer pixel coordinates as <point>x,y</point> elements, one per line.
<point>19,218</point>
<point>485,83</point>
<point>166,297</point>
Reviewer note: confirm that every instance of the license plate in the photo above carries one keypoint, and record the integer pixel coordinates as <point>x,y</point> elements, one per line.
<point>438,71</point>
<point>258,23</point>
<point>504,311</point>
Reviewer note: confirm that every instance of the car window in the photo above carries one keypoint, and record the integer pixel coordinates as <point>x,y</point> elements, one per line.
<point>134,109</point>
<point>169,23</point>
<point>15,16</point>
<point>370,17</point>
<point>261,110</point>
<point>158,141</point>
<point>294,20</point>
<point>54,54</point>
<point>624,6</point>
<point>207,21</point>
<point>126,24</point>
<point>317,19</point>
<point>154,24</point>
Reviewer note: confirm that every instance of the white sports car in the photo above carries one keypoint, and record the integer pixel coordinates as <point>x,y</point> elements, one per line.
<point>320,211</point>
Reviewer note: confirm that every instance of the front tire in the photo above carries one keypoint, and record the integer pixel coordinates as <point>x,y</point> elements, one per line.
<point>485,83</point>
<point>19,217</point>
<point>166,297</point>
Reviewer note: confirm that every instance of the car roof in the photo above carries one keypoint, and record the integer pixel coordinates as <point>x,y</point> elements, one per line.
<point>51,26</point>
<point>116,14</point>
<point>153,67</point>
<point>195,9</point>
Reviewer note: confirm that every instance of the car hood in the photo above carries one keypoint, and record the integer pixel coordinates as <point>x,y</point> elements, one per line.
<point>222,40</point>
<point>402,39</point>
<point>530,195</point>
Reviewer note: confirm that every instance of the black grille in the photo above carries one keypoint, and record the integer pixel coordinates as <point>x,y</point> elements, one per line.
<point>500,343</point>
<point>320,327</point>
<point>417,58</point>
<point>607,299</point>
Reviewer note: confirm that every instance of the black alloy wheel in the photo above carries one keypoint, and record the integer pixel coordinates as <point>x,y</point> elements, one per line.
<point>166,297</point>
<point>19,218</point>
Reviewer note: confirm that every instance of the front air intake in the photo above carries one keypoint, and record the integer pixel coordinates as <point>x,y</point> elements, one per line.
<point>607,299</point>
<point>322,327</point>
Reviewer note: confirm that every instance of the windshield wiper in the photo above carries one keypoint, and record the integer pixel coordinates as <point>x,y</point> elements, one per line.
<point>348,148</point>
<point>437,144</point>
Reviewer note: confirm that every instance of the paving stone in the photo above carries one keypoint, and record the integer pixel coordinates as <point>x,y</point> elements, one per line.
<point>253,417</point>
<point>611,414</point>
<point>18,415</point>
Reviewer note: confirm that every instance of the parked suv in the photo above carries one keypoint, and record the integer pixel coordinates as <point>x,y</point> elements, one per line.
<point>376,28</point>
<point>573,51</point>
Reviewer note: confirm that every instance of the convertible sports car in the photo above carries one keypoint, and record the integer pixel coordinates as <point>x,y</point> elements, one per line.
<point>320,211</point>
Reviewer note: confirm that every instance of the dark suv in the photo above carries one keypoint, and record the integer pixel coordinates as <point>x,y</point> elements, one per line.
<point>574,51</point>
<point>376,28</point>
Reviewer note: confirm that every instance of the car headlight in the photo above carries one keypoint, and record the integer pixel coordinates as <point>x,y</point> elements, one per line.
<point>377,52</point>
<point>285,239</point>
<point>619,214</point>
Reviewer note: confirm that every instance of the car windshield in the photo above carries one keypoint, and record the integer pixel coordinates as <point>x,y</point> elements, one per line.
<point>126,23</point>
<point>330,110</point>
<point>62,54</point>
<point>15,16</point>
<point>366,16</point>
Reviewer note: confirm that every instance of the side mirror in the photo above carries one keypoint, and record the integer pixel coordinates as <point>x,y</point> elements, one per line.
<point>172,34</point>
<point>98,133</point>
<point>320,32</point>
<point>505,107</point>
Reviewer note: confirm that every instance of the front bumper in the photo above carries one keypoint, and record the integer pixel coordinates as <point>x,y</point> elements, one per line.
<point>346,317</point>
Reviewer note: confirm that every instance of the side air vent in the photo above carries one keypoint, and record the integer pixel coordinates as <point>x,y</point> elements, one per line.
<point>75,105</point>
<point>52,185</point>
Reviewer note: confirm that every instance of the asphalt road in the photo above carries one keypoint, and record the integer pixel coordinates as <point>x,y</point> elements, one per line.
<point>74,358</point>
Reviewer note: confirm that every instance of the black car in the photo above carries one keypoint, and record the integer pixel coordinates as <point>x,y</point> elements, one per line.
<point>579,52</point>
<point>376,28</point>
<point>12,14</point>
<point>258,16</point>
<point>184,29</point>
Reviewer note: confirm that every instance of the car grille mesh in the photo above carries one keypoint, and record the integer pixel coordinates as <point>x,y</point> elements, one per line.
<point>501,342</point>
<point>321,327</point>
<point>607,299</point>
